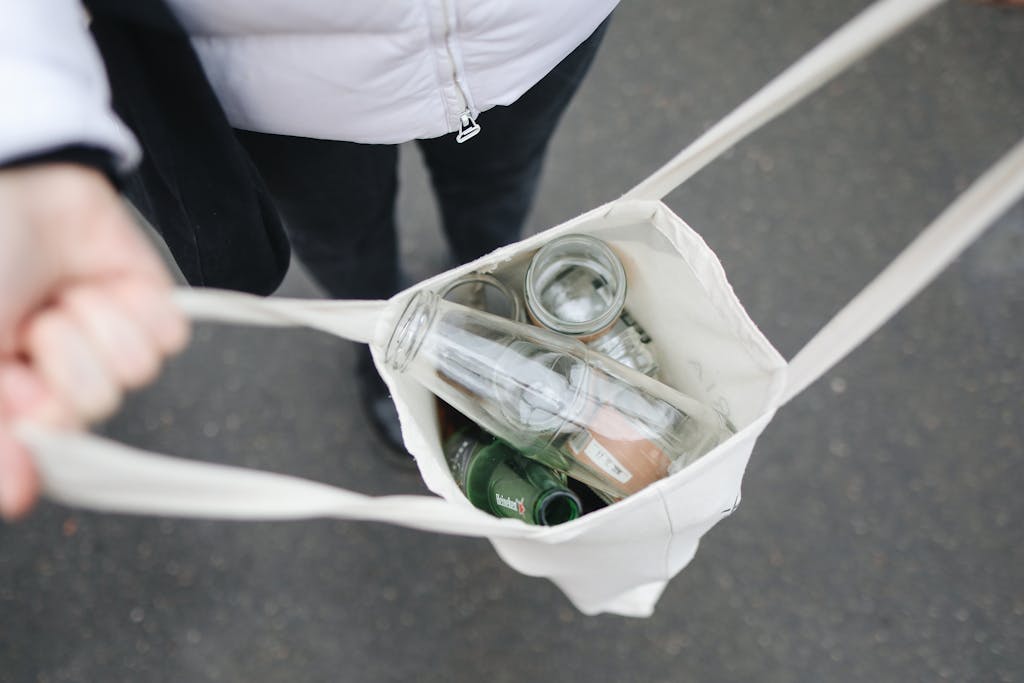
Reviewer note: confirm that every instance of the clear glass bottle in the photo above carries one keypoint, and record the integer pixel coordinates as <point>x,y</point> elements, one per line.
<point>550,397</point>
<point>576,285</point>
<point>498,480</point>
<point>486,293</point>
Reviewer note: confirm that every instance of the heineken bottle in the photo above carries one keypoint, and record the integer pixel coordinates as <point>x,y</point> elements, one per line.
<point>498,480</point>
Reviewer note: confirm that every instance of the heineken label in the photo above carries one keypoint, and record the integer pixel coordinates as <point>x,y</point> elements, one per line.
<point>515,505</point>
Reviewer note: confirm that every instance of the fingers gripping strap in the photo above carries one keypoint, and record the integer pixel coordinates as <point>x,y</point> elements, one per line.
<point>857,38</point>
<point>95,473</point>
<point>354,320</point>
<point>953,231</point>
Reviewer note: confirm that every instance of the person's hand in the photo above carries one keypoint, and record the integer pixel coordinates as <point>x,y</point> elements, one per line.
<point>85,310</point>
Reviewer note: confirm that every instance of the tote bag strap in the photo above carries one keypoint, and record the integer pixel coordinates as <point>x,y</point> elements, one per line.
<point>93,472</point>
<point>87,471</point>
<point>953,231</point>
<point>856,38</point>
<point>352,320</point>
<point>924,259</point>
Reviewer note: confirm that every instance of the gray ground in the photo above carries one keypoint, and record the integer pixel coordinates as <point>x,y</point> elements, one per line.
<point>880,535</point>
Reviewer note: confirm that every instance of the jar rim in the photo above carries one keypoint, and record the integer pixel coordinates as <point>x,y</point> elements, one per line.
<point>514,302</point>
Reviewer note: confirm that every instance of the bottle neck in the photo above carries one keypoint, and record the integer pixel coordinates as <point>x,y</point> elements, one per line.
<point>557,506</point>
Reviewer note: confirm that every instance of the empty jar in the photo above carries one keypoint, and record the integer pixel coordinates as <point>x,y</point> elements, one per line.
<point>576,285</point>
<point>485,293</point>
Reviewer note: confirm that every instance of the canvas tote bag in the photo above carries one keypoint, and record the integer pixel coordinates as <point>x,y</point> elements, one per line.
<point>620,558</point>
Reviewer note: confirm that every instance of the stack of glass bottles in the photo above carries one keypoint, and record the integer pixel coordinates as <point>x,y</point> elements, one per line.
<point>572,401</point>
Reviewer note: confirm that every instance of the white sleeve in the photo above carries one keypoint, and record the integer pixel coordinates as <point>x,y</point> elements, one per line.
<point>53,87</point>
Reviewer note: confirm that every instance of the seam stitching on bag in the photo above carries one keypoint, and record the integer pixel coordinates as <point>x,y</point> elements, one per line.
<point>665,568</point>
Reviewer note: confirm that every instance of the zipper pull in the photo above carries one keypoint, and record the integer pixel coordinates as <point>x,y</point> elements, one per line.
<point>467,127</point>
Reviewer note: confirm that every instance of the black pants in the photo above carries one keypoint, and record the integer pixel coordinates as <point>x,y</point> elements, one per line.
<point>337,199</point>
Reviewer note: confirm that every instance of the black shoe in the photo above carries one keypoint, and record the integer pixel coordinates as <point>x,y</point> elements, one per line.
<point>381,412</point>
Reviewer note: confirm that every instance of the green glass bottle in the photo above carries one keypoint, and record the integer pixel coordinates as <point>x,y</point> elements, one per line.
<point>498,480</point>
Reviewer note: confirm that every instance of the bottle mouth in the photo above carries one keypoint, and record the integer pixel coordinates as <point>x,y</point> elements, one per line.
<point>558,507</point>
<point>410,331</point>
<point>594,262</point>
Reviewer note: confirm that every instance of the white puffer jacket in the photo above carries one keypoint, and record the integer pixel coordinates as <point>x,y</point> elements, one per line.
<point>385,71</point>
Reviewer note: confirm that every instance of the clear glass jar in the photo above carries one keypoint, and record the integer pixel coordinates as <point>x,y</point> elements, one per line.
<point>576,285</point>
<point>550,397</point>
<point>485,293</point>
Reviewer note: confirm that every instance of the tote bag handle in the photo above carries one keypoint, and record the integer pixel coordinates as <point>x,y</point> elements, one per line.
<point>352,320</point>
<point>88,471</point>
<point>855,39</point>
<point>952,232</point>
<point>100,474</point>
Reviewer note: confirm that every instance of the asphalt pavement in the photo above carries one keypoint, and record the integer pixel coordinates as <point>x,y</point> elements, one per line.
<point>881,535</point>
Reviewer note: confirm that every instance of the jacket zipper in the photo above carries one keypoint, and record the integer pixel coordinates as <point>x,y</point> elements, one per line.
<point>468,127</point>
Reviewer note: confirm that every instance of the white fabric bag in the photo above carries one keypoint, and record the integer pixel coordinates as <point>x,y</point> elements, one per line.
<point>618,559</point>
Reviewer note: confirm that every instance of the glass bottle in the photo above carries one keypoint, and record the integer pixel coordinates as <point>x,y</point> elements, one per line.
<point>497,479</point>
<point>576,285</point>
<point>550,397</point>
<point>483,292</point>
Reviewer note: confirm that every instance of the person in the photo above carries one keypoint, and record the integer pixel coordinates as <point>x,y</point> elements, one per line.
<point>243,130</point>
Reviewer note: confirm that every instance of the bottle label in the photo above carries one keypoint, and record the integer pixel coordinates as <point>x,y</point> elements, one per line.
<point>585,443</point>
<point>631,322</point>
<point>616,447</point>
<point>514,505</point>
<point>460,451</point>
